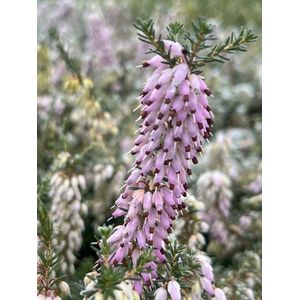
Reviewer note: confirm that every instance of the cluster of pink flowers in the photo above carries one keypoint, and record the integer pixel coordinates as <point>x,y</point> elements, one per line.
<point>214,189</point>
<point>175,120</point>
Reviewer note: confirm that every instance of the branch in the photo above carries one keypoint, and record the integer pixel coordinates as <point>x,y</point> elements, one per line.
<point>72,63</point>
<point>147,35</point>
<point>230,46</point>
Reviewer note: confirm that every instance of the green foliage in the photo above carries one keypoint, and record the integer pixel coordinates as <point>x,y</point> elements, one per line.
<point>102,235</point>
<point>194,42</point>
<point>107,281</point>
<point>230,46</point>
<point>176,32</point>
<point>147,35</point>
<point>48,259</point>
<point>45,229</point>
<point>181,264</point>
<point>72,63</point>
<point>44,70</point>
<point>107,277</point>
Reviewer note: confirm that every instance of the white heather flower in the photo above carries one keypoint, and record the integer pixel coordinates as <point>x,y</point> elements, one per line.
<point>66,210</point>
<point>161,294</point>
<point>81,181</point>
<point>61,160</point>
<point>64,287</point>
<point>98,296</point>
<point>196,240</point>
<point>102,173</point>
<point>204,227</point>
<point>174,290</point>
<point>92,124</point>
<point>87,279</point>
<point>124,290</point>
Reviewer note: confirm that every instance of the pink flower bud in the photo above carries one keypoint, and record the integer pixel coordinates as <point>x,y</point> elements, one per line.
<point>161,294</point>
<point>203,87</point>
<point>133,177</point>
<point>161,257</point>
<point>156,61</point>
<point>159,160</point>
<point>207,271</point>
<point>121,252</point>
<point>150,85</point>
<point>195,83</point>
<point>203,99</point>
<point>147,167</point>
<point>138,286</point>
<point>174,290</point>
<point>184,88</point>
<point>164,220</point>
<point>118,213</point>
<point>168,196</point>
<point>141,239</point>
<point>135,256</point>
<point>174,48</point>
<point>152,217</point>
<point>192,104</point>
<point>171,176</point>
<point>178,104</point>
<point>132,225</point>
<point>156,95</point>
<point>116,236</point>
<point>159,176</point>
<point>219,294</point>
<point>180,74</point>
<point>181,116</point>
<point>207,286</point>
<point>166,76</point>
<point>171,91</point>
<point>157,241</point>
<point>158,201</point>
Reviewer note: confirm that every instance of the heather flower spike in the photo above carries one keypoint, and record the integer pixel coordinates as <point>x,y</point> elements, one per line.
<point>173,129</point>
<point>176,120</point>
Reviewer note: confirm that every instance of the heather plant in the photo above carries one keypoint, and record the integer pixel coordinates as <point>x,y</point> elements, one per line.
<point>175,121</point>
<point>49,285</point>
<point>187,222</point>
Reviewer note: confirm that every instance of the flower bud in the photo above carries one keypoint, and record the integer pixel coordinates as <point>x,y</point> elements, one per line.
<point>161,294</point>
<point>64,287</point>
<point>174,48</point>
<point>207,286</point>
<point>174,290</point>
<point>219,294</point>
<point>207,271</point>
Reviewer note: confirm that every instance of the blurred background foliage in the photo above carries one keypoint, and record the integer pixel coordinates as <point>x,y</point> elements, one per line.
<point>87,88</point>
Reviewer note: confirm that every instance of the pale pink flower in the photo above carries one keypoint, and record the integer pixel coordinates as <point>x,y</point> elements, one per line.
<point>219,294</point>
<point>161,294</point>
<point>174,290</point>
